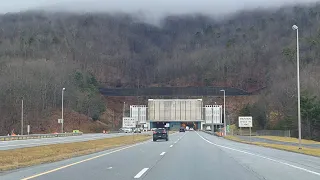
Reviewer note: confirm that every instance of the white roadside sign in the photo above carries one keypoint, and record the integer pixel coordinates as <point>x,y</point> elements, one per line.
<point>60,121</point>
<point>245,121</point>
<point>128,122</point>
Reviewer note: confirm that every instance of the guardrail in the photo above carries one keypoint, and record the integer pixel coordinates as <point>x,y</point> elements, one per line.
<point>210,132</point>
<point>283,133</point>
<point>246,132</point>
<point>37,136</point>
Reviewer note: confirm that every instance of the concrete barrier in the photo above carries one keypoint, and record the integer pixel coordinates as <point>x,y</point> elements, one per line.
<point>37,136</point>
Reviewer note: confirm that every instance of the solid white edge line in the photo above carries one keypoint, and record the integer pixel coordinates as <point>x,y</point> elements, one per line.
<point>141,173</point>
<point>162,153</point>
<point>260,156</point>
<point>72,164</point>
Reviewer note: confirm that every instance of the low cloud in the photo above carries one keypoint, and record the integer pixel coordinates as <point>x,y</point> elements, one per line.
<point>153,8</point>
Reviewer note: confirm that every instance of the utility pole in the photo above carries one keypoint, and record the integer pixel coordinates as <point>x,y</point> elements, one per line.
<point>112,119</point>
<point>224,112</point>
<point>22,117</point>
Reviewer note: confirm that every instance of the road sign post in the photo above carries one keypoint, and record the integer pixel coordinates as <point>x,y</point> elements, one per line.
<point>60,121</point>
<point>28,129</point>
<point>250,133</point>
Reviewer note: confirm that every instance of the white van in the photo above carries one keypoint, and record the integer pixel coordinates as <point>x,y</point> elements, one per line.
<point>126,130</point>
<point>208,128</point>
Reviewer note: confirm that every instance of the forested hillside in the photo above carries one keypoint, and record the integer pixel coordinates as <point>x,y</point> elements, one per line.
<point>40,53</point>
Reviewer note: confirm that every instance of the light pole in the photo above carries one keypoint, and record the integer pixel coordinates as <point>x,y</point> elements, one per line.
<point>124,109</point>
<point>295,27</point>
<point>224,111</point>
<point>22,117</point>
<point>215,126</point>
<point>212,126</point>
<point>63,89</point>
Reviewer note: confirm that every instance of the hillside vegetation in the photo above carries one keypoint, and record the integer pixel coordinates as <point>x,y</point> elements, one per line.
<point>40,53</point>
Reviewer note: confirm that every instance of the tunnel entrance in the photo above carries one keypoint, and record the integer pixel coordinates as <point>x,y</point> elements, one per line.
<point>159,124</point>
<point>193,125</point>
<point>176,125</point>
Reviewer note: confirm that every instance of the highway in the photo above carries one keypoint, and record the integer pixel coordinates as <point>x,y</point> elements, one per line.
<point>190,155</point>
<point>6,145</point>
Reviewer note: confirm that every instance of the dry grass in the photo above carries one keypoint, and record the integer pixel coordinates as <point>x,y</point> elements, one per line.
<point>304,150</point>
<point>288,139</point>
<point>12,159</point>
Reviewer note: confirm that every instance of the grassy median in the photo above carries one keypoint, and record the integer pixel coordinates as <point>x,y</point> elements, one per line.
<point>304,150</point>
<point>17,158</point>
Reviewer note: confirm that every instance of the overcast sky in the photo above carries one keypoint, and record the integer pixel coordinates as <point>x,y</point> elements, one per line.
<point>156,7</point>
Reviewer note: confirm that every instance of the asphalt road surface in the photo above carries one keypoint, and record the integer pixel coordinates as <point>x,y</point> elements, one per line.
<point>6,145</point>
<point>186,156</point>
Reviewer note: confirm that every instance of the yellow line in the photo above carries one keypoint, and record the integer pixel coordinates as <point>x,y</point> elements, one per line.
<point>95,157</point>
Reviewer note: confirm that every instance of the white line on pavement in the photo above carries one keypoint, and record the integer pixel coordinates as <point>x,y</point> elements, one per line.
<point>72,164</point>
<point>53,142</point>
<point>260,156</point>
<point>171,145</point>
<point>162,153</point>
<point>141,173</point>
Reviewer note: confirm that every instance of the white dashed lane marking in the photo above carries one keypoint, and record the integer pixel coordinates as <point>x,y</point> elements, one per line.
<point>141,173</point>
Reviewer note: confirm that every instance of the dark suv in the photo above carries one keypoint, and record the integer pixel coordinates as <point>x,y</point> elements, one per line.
<point>182,129</point>
<point>160,133</point>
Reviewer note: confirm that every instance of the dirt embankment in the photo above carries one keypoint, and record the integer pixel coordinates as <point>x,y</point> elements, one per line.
<point>114,113</point>
<point>72,121</point>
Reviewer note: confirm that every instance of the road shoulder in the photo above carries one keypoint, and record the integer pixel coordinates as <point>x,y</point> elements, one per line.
<point>305,150</point>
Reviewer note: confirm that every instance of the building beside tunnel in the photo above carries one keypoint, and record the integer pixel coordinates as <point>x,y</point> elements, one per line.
<point>212,116</point>
<point>175,112</point>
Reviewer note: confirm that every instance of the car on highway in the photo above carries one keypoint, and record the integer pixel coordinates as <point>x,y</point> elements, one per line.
<point>191,129</point>
<point>125,130</point>
<point>137,130</point>
<point>160,133</point>
<point>182,129</point>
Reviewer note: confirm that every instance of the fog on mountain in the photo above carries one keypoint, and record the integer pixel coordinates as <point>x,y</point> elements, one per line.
<point>41,52</point>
